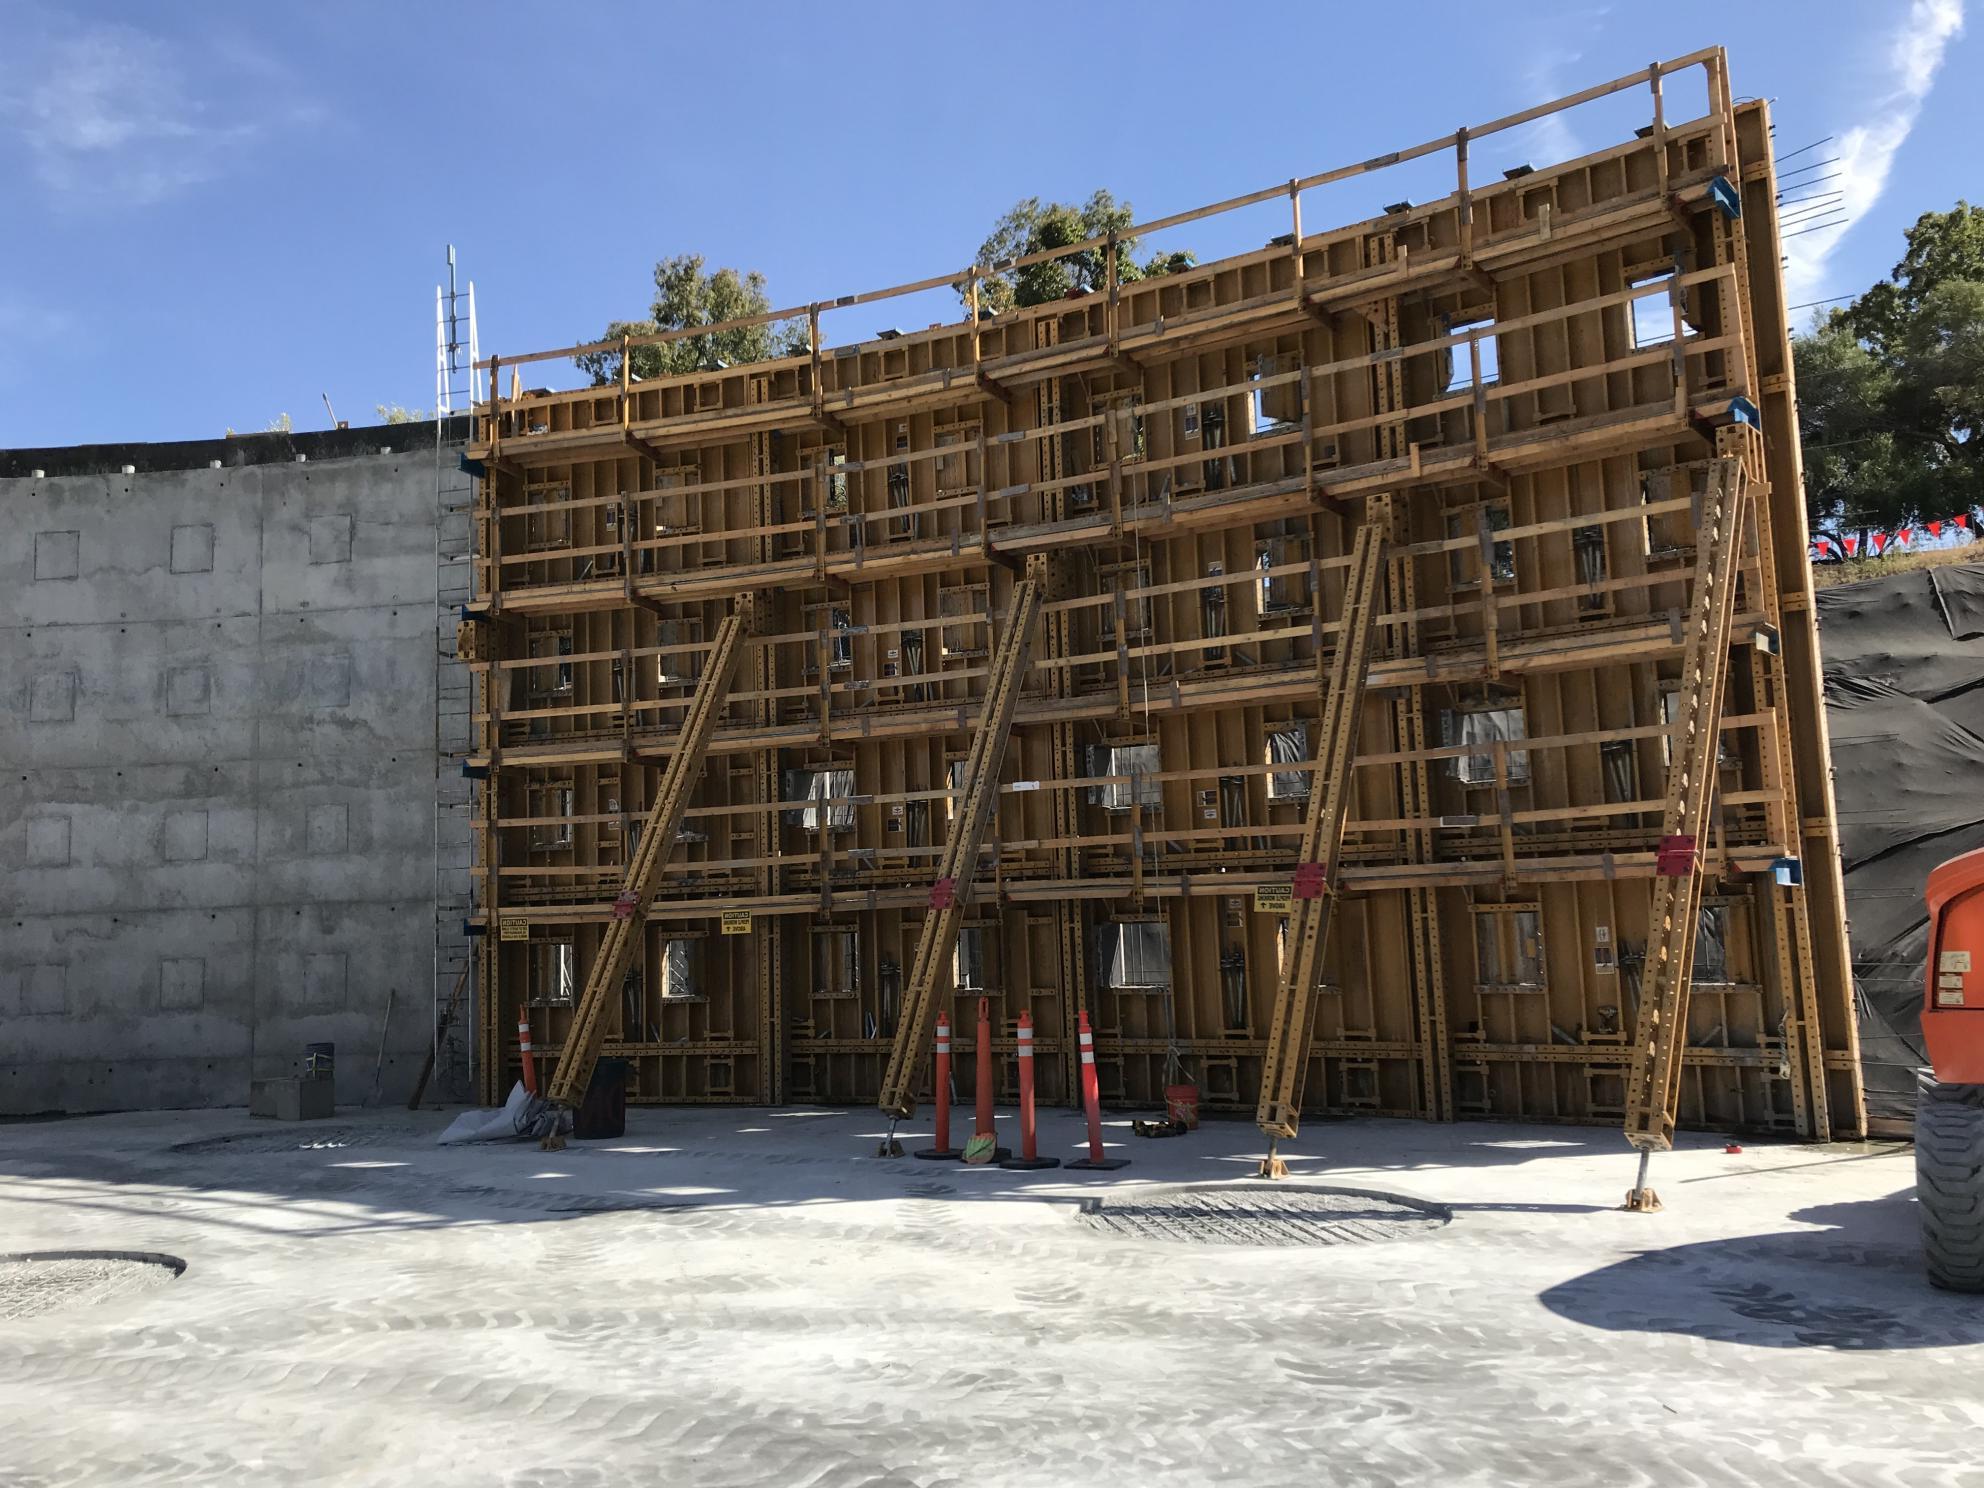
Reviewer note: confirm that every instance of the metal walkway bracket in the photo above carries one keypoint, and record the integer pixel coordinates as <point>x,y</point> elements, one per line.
<point>950,893</point>
<point>663,821</point>
<point>1654,1084</point>
<point>1287,1057</point>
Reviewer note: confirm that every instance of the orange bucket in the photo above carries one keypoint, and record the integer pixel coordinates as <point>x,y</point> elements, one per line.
<point>1181,1103</point>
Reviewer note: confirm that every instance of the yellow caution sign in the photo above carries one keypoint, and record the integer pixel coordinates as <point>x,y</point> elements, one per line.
<point>737,922</point>
<point>516,930</point>
<point>1276,898</point>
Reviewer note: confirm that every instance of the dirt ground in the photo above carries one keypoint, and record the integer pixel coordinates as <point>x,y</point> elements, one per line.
<point>749,1296</point>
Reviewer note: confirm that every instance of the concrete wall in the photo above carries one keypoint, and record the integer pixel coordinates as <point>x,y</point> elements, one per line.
<point>220,697</point>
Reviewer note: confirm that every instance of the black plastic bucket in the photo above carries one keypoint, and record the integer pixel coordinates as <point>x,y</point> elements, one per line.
<point>603,1112</point>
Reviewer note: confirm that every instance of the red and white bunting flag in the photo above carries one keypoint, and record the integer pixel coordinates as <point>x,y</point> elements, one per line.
<point>1852,545</point>
<point>1935,529</point>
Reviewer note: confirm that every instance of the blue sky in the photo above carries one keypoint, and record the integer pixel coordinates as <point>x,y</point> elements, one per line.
<point>211,214</point>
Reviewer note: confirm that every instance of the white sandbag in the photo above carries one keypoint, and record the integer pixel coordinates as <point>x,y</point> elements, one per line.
<point>515,1120</point>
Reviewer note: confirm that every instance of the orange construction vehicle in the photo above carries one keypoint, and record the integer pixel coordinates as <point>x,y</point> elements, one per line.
<point>1949,1118</point>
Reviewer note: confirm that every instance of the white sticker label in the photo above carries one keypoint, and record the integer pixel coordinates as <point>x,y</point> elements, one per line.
<point>1950,979</point>
<point>1026,785</point>
<point>1953,961</point>
<point>1601,935</point>
<point>1948,999</point>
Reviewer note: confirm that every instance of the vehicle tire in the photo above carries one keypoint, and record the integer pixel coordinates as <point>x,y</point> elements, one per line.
<point>1949,1182</point>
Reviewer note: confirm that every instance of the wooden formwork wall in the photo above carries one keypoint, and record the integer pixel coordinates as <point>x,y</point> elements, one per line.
<point>1539,371</point>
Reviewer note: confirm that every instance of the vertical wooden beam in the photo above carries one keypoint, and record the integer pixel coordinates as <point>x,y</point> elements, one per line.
<point>1807,736</point>
<point>1466,200</point>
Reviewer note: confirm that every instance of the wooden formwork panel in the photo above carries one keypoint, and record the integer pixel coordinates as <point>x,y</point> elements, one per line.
<point>1539,373</point>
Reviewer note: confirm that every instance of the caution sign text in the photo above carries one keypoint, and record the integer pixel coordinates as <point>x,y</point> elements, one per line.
<point>1275,898</point>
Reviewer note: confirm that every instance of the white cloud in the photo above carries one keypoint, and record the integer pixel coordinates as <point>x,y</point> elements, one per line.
<point>112,114</point>
<point>1549,73</point>
<point>1867,150</point>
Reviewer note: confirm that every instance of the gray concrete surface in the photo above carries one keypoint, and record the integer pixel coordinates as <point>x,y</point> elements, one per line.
<point>56,1281</point>
<point>746,1297</point>
<point>218,724</point>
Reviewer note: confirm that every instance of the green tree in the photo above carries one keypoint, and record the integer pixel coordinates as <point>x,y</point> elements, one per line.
<point>1033,226</point>
<point>686,296</point>
<point>392,413</point>
<point>1891,387</point>
<point>1943,247</point>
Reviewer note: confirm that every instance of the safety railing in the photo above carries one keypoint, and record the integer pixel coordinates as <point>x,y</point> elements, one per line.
<point>969,278</point>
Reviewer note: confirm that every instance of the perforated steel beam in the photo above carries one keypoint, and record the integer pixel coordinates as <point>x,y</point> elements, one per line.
<point>1280,1111</point>
<point>951,892</point>
<point>663,821</point>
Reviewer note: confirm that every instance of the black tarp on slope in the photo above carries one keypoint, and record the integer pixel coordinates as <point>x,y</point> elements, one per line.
<point>1904,667</point>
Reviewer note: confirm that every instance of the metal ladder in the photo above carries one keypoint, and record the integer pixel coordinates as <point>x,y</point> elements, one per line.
<point>663,821</point>
<point>1653,1086</point>
<point>1287,1057</point>
<point>959,861</point>
<point>457,386</point>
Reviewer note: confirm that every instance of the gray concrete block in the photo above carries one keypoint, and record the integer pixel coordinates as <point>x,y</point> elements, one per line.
<point>291,1099</point>
<point>45,991</point>
<point>330,538</point>
<point>183,837</point>
<point>182,983</point>
<point>188,690</point>
<point>128,689</point>
<point>192,548</point>
<point>48,841</point>
<point>330,680</point>
<point>56,555</point>
<point>387,506</point>
<point>52,697</point>
<point>326,828</point>
<point>217,776</point>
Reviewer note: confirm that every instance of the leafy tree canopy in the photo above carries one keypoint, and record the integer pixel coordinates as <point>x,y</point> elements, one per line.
<point>1033,226</point>
<point>1891,387</point>
<point>684,296</point>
